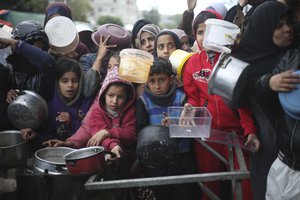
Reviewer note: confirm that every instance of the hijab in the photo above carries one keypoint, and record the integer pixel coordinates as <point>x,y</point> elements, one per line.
<point>172,34</point>
<point>57,8</point>
<point>149,28</point>
<point>257,41</point>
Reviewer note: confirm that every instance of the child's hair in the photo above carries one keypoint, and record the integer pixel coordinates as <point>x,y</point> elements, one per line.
<point>161,65</point>
<point>106,58</point>
<point>127,88</point>
<point>202,17</point>
<point>64,65</point>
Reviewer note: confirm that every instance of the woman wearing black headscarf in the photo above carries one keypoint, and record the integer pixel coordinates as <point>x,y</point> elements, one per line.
<point>266,38</point>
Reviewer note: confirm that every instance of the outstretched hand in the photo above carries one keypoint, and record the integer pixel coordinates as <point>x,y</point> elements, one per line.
<point>191,5</point>
<point>5,42</point>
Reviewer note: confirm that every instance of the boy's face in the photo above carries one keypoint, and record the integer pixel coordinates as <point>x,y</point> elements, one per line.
<point>159,84</point>
<point>165,46</point>
<point>68,85</point>
<point>200,34</point>
<point>115,98</point>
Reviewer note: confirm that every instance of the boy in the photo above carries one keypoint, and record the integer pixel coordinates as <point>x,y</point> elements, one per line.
<point>160,93</point>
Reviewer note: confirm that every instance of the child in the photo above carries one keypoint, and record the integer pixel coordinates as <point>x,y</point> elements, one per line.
<point>160,93</point>
<point>111,121</point>
<point>195,78</point>
<point>66,109</point>
<point>165,43</point>
<point>96,66</point>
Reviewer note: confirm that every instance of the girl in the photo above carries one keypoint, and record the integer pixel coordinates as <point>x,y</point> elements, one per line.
<point>111,120</point>
<point>66,109</point>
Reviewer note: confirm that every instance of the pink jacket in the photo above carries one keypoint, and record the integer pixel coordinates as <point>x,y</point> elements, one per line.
<point>121,128</point>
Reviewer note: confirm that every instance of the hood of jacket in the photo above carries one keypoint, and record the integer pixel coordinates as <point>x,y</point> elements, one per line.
<point>113,77</point>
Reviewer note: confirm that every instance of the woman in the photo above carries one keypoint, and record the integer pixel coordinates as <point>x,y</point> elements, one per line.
<point>265,40</point>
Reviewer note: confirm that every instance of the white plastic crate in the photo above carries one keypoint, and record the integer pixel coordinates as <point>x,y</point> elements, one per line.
<point>193,123</point>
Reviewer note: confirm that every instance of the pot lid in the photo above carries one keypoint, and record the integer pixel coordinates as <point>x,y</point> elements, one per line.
<point>290,101</point>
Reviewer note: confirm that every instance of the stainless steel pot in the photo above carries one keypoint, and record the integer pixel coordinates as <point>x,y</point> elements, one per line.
<point>51,160</point>
<point>13,149</point>
<point>229,79</point>
<point>28,110</point>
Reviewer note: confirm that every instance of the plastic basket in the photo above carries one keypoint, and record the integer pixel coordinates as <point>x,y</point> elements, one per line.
<point>192,123</point>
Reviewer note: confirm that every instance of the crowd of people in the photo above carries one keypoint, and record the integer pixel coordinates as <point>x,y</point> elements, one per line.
<point>89,104</point>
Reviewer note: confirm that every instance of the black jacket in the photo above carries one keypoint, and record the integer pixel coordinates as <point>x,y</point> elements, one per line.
<point>288,138</point>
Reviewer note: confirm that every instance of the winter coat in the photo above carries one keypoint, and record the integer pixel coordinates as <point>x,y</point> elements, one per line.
<point>121,128</point>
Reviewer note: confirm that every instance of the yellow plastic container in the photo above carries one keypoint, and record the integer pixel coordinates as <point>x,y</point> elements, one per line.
<point>178,59</point>
<point>135,65</point>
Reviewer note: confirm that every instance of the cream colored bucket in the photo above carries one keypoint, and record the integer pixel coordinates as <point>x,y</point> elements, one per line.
<point>135,65</point>
<point>220,35</point>
<point>62,34</point>
<point>178,58</point>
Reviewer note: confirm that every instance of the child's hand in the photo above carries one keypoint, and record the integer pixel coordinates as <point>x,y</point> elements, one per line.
<point>191,5</point>
<point>116,150</point>
<point>58,143</point>
<point>64,117</point>
<point>5,42</point>
<point>12,95</point>
<point>186,117</point>
<point>98,138</point>
<point>165,120</point>
<point>28,134</point>
<point>252,143</point>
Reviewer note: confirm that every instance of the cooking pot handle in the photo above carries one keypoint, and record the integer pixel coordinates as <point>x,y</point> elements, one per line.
<point>113,155</point>
<point>223,59</point>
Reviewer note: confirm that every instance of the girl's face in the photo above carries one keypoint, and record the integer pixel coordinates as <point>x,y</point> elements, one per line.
<point>165,46</point>
<point>283,34</point>
<point>115,98</point>
<point>68,85</point>
<point>200,34</point>
<point>160,84</point>
<point>147,42</point>
<point>113,61</point>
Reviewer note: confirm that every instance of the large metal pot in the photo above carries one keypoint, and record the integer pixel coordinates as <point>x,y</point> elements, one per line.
<point>87,160</point>
<point>155,148</point>
<point>28,110</point>
<point>229,79</point>
<point>51,160</point>
<point>13,149</point>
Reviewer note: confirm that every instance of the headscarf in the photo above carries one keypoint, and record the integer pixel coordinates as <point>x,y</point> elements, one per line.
<point>136,27</point>
<point>57,8</point>
<point>149,28</point>
<point>257,46</point>
<point>167,32</point>
<point>258,49</point>
<point>180,33</point>
<point>219,7</point>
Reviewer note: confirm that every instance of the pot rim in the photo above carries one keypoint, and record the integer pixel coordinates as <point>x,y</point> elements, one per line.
<point>95,150</point>
<point>51,162</point>
<point>12,132</point>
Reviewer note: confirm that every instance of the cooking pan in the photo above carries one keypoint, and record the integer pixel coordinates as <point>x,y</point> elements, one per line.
<point>50,160</point>
<point>155,148</point>
<point>87,160</point>
<point>229,79</point>
<point>13,149</point>
<point>28,110</point>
